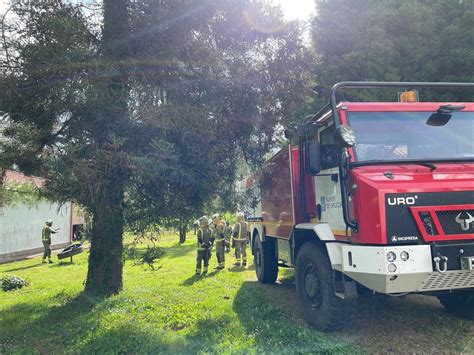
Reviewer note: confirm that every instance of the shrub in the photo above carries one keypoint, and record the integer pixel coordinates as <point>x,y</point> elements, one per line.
<point>11,282</point>
<point>150,256</point>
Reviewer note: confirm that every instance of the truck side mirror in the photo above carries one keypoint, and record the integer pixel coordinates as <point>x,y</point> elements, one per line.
<point>313,161</point>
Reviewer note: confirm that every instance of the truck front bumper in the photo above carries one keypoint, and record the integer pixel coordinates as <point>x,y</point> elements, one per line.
<point>400,269</point>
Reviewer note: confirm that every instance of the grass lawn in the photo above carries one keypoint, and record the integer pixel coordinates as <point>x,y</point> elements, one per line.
<point>170,310</point>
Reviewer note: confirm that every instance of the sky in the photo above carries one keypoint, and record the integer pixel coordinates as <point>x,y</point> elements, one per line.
<point>297,9</point>
<point>293,9</point>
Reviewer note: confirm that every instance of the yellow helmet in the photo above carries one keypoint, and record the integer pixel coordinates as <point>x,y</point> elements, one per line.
<point>203,221</point>
<point>240,216</point>
<point>216,218</point>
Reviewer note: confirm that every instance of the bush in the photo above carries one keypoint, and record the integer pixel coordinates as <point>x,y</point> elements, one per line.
<point>152,252</point>
<point>11,282</point>
<point>150,256</point>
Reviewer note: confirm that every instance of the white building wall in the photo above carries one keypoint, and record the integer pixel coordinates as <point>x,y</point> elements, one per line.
<point>21,226</point>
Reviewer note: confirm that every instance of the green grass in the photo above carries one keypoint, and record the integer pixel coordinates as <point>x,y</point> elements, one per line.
<point>166,310</point>
<point>170,310</point>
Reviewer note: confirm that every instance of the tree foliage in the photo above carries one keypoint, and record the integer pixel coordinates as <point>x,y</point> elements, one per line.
<point>395,40</point>
<point>141,119</point>
<point>14,193</point>
<point>228,80</point>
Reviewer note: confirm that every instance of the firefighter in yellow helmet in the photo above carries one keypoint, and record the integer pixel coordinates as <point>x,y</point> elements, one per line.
<point>239,235</point>
<point>204,245</point>
<point>219,237</point>
<point>46,239</point>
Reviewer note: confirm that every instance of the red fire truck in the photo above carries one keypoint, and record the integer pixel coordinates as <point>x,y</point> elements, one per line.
<point>374,198</point>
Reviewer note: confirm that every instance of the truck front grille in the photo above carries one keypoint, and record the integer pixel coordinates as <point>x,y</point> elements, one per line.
<point>450,222</point>
<point>456,221</point>
<point>447,281</point>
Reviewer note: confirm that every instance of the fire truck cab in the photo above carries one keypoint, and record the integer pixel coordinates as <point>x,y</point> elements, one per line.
<point>374,197</point>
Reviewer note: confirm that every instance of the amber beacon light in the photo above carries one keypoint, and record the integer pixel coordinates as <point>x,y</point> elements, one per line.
<point>408,96</point>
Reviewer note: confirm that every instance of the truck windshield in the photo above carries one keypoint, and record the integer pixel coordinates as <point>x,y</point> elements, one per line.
<point>398,136</point>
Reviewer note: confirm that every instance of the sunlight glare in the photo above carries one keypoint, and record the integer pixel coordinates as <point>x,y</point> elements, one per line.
<point>296,9</point>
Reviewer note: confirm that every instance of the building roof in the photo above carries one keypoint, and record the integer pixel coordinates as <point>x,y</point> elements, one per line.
<point>14,176</point>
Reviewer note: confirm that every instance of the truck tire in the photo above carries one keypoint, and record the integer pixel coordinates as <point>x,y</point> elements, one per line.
<point>459,303</point>
<point>315,288</point>
<point>265,260</point>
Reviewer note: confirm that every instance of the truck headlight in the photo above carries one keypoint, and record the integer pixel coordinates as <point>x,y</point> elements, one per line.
<point>391,256</point>
<point>404,255</point>
<point>392,267</point>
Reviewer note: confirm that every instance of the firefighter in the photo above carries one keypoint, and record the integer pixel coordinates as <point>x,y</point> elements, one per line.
<point>46,239</point>
<point>239,240</point>
<point>219,237</point>
<point>204,245</point>
<point>228,236</point>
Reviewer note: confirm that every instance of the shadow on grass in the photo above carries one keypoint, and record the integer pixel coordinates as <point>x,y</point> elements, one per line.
<point>191,280</point>
<point>76,325</point>
<point>22,323</point>
<point>236,268</point>
<point>126,339</point>
<point>272,327</point>
<point>62,264</point>
<point>206,338</point>
<point>24,267</point>
<point>178,250</point>
<point>214,272</point>
<point>194,278</point>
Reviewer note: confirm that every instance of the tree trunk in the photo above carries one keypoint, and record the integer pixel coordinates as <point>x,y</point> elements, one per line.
<point>2,178</point>
<point>104,275</point>
<point>105,260</point>
<point>182,232</point>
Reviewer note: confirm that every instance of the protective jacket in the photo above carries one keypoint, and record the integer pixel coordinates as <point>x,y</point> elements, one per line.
<point>205,238</point>
<point>240,231</point>
<point>46,234</point>
<point>219,232</point>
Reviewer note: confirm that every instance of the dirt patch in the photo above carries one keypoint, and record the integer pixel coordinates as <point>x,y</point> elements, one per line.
<point>383,324</point>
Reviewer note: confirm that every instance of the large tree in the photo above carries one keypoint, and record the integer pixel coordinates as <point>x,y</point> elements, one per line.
<point>142,116</point>
<point>65,97</point>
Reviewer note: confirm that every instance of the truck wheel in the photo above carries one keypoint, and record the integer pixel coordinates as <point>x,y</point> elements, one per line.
<point>265,260</point>
<point>315,288</point>
<point>459,303</point>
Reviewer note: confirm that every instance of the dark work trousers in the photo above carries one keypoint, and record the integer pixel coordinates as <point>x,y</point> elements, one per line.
<point>241,251</point>
<point>47,249</point>
<point>220,253</point>
<point>203,255</point>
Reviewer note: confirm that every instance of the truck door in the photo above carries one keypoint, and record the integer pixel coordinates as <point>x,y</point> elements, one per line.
<point>327,187</point>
